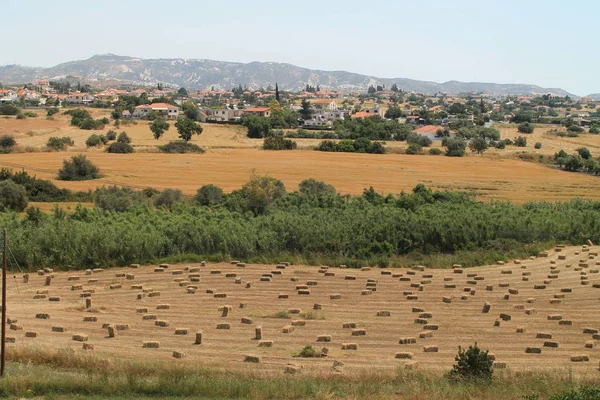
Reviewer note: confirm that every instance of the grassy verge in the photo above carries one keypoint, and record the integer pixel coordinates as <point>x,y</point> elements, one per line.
<point>63,374</point>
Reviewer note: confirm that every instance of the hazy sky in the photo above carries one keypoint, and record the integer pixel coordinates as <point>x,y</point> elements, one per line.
<point>551,43</point>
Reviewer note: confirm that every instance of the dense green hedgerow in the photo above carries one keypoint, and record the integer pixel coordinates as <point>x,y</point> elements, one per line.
<point>262,221</point>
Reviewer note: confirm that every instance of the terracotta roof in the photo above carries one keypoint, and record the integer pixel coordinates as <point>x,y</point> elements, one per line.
<point>257,109</point>
<point>363,114</point>
<point>428,129</point>
<point>321,101</point>
<point>157,106</point>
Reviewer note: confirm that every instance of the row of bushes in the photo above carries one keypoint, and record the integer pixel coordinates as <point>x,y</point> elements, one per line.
<point>262,221</point>
<point>361,145</point>
<point>39,189</point>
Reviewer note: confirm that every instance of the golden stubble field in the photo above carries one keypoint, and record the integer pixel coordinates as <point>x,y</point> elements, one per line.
<point>490,178</point>
<point>547,304</point>
<point>231,159</point>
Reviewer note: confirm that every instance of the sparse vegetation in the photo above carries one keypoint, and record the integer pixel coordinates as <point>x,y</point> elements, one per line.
<point>59,144</point>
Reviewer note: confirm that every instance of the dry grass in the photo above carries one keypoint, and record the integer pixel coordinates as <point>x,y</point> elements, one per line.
<point>232,157</point>
<point>460,322</point>
<point>499,179</point>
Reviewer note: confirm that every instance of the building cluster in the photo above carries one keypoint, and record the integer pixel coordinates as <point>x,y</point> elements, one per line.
<point>319,109</point>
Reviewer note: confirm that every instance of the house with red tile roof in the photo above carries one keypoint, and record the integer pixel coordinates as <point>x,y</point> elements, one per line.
<point>431,131</point>
<point>165,110</point>
<point>260,111</point>
<point>80,98</point>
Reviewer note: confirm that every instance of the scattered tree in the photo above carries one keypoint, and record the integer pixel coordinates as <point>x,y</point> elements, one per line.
<point>478,145</point>
<point>158,127</point>
<point>455,147</point>
<point>123,138</point>
<point>258,127</point>
<point>187,128</point>
<point>521,141</point>
<point>78,168</point>
<point>526,127</point>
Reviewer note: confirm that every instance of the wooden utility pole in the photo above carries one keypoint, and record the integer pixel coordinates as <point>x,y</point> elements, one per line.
<point>3,330</point>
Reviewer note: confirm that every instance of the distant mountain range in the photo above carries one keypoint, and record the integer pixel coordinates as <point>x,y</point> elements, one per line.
<point>595,96</point>
<point>198,74</point>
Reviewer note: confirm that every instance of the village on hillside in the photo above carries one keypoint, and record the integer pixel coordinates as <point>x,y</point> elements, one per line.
<point>314,108</point>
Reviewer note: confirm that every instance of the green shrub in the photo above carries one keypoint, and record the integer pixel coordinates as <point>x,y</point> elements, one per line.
<point>119,199</point>
<point>278,143</point>
<point>521,141</point>
<point>360,145</point>
<point>455,147</point>
<point>9,109</point>
<point>472,364</point>
<point>308,352</point>
<point>37,189</point>
<point>7,142</point>
<point>123,138</point>
<point>584,152</point>
<point>594,130</point>
<point>168,198</point>
<point>12,196</point>
<point>312,187</point>
<point>21,116</point>
<point>51,111</point>
<point>209,195</point>
<point>435,151</point>
<point>94,141</point>
<point>584,393</point>
<point>500,145</point>
<point>180,147</point>
<point>574,163</point>
<point>421,140</point>
<point>78,168</point>
<point>572,134</point>
<point>111,135</point>
<point>30,114</point>
<point>119,148</point>
<point>526,127</point>
<point>413,148</point>
<point>59,144</point>
<point>575,128</point>
<point>538,145</point>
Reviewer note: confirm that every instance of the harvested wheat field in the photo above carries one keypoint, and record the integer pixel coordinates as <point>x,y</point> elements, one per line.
<point>533,315</point>
<point>33,133</point>
<point>488,177</point>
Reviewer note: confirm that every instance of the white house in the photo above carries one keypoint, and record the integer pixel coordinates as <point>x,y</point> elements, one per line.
<point>163,109</point>
<point>80,98</point>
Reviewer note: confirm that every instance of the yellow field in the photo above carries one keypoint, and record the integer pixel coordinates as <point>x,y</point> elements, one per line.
<point>550,142</point>
<point>499,179</point>
<point>562,308</point>
<point>231,158</point>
